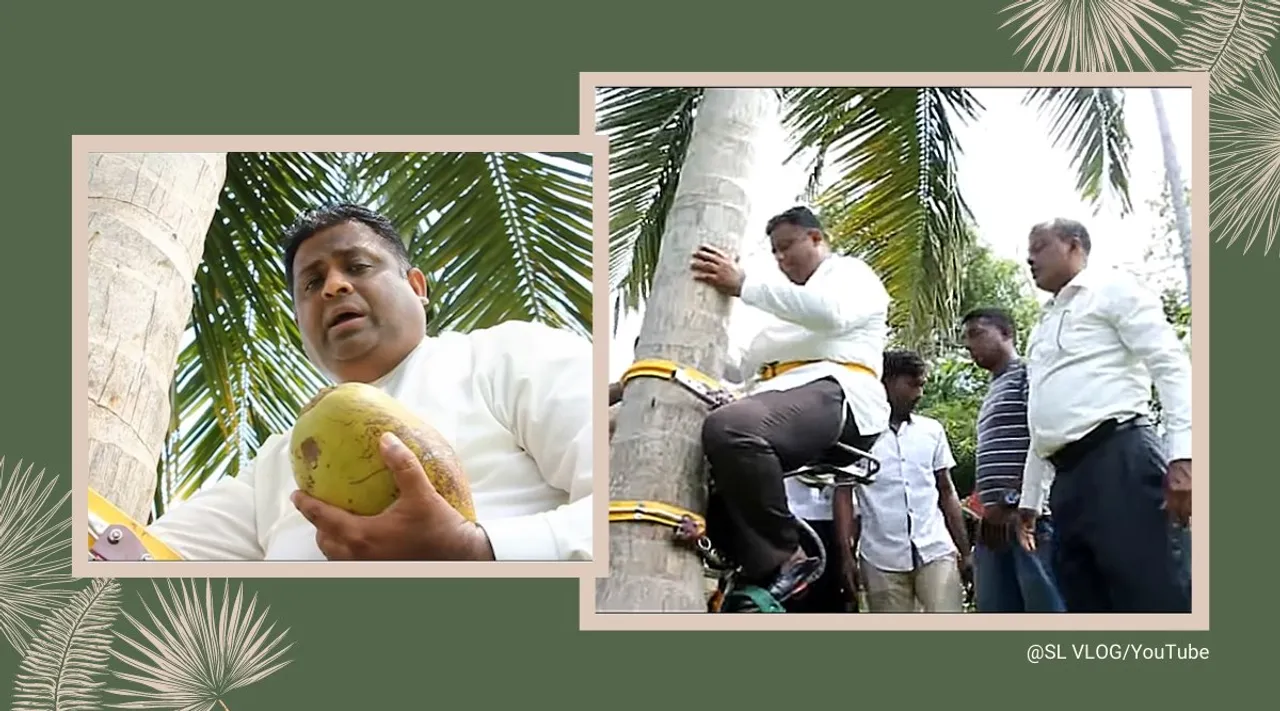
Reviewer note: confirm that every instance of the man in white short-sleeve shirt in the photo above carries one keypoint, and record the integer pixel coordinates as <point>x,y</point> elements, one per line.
<point>913,547</point>
<point>513,401</point>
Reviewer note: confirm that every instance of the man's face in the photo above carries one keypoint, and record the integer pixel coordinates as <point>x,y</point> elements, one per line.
<point>358,314</point>
<point>1051,259</point>
<point>904,392</point>
<point>796,251</point>
<point>985,343</point>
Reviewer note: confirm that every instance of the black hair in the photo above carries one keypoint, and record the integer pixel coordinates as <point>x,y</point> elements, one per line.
<point>1065,229</point>
<point>321,218</point>
<point>799,216</point>
<point>994,316</point>
<point>908,363</point>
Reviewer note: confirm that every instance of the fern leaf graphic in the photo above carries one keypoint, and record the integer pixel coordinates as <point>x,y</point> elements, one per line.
<point>1226,38</point>
<point>35,553</point>
<point>69,653</point>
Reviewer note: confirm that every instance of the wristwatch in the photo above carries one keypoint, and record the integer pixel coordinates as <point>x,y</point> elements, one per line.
<point>1011,499</point>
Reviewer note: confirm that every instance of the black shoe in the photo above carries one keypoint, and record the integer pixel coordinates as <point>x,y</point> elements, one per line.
<point>794,580</point>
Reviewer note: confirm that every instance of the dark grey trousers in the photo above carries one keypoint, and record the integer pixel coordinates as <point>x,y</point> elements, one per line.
<point>750,444</point>
<point>1113,550</point>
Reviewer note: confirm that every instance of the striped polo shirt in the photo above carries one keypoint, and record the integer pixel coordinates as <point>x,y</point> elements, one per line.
<point>1003,436</point>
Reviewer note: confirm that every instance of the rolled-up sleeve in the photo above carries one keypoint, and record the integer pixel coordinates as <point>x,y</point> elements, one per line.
<point>541,387</point>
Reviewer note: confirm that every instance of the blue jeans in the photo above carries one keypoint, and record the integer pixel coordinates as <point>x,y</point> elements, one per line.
<point>1182,553</point>
<point>1013,580</point>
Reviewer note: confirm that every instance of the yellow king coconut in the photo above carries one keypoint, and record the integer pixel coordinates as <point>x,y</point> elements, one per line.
<point>337,459</point>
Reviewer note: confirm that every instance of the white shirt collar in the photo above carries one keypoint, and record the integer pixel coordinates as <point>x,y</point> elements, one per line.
<point>1086,278</point>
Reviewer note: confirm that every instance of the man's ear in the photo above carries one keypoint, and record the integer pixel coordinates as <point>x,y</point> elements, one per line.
<point>418,282</point>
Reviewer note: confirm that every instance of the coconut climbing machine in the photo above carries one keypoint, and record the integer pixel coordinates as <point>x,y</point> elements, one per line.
<point>840,466</point>
<point>115,536</point>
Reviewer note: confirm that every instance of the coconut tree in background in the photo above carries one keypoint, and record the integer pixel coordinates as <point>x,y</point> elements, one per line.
<point>1174,183</point>
<point>501,236</point>
<point>148,214</point>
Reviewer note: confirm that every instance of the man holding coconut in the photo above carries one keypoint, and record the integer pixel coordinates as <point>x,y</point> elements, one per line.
<point>510,399</point>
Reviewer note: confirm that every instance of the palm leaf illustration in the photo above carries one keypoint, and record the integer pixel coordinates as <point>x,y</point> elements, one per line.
<point>1244,159</point>
<point>194,652</point>
<point>1089,35</point>
<point>1226,39</point>
<point>35,556</point>
<point>61,668</point>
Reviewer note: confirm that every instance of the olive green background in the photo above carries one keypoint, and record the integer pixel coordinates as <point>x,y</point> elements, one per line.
<point>376,67</point>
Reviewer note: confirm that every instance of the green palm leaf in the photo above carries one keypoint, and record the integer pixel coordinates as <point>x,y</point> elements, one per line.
<point>507,235</point>
<point>61,669</point>
<point>34,552</point>
<point>895,201</point>
<point>1091,124</point>
<point>648,130</point>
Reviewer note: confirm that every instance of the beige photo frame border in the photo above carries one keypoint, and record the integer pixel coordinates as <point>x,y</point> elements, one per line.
<point>1198,619</point>
<point>83,145</point>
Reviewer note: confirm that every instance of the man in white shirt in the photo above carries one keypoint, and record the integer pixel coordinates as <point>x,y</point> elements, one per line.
<point>512,400</point>
<point>1091,361</point>
<point>913,546</point>
<point>817,382</point>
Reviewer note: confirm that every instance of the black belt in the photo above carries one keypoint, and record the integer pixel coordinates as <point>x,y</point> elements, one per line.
<point>1071,454</point>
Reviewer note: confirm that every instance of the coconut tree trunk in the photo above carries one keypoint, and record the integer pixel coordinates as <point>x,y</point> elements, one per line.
<point>1173,175</point>
<point>656,452</point>
<point>148,216</point>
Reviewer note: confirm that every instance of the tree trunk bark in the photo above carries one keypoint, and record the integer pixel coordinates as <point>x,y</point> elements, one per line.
<point>656,452</point>
<point>148,216</point>
<point>1173,175</point>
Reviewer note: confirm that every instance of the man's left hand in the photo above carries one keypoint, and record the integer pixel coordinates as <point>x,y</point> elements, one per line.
<point>419,525</point>
<point>714,267</point>
<point>1177,490</point>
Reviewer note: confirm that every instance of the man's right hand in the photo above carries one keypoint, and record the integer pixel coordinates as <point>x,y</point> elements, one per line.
<point>998,527</point>
<point>1027,529</point>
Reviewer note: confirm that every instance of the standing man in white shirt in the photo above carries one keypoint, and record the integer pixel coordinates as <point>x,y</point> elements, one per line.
<point>512,400</point>
<point>1101,342</point>
<point>817,382</point>
<point>913,545</point>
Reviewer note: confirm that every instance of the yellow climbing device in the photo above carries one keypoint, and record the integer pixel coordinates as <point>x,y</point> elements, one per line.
<point>106,521</point>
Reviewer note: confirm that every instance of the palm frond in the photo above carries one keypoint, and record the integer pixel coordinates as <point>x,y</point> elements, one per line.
<point>1244,159</point>
<point>63,666</point>
<point>509,234</point>
<point>1226,39</point>
<point>1091,124</point>
<point>896,202</point>
<point>35,552</point>
<point>195,652</point>
<point>1089,35</point>
<point>649,131</point>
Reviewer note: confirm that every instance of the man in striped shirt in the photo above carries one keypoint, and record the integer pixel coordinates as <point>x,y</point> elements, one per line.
<point>1006,577</point>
